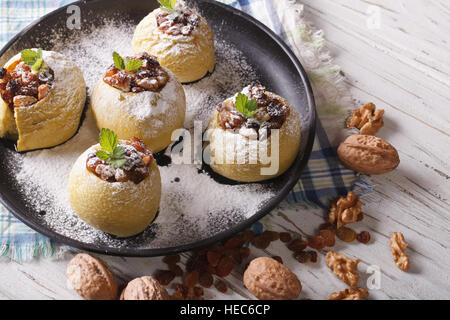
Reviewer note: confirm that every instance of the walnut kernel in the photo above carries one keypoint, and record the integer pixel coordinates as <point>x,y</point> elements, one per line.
<point>345,268</point>
<point>398,245</point>
<point>345,210</point>
<point>367,119</point>
<point>350,294</point>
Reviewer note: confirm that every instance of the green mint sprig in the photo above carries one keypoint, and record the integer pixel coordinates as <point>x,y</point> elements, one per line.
<point>168,4</point>
<point>246,107</point>
<point>131,65</point>
<point>33,59</point>
<point>111,152</point>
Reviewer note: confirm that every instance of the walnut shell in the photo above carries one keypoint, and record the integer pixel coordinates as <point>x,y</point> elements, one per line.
<point>368,154</point>
<point>267,279</point>
<point>144,288</point>
<point>91,278</point>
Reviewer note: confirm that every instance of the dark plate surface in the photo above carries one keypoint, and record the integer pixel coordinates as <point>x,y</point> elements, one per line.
<point>275,64</point>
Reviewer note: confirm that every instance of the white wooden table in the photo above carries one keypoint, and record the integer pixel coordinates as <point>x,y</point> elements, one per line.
<point>404,67</point>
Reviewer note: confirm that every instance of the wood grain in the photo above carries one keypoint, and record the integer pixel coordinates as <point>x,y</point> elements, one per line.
<point>404,68</point>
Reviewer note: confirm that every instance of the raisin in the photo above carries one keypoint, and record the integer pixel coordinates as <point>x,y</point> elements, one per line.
<point>346,234</point>
<point>248,235</point>
<point>198,292</point>
<point>313,256</point>
<point>260,242</point>
<point>328,226</point>
<point>176,269</point>
<point>164,276</point>
<point>236,255</point>
<point>328,235</point>
<point>234,242</point>
<point>244,252</point>
<point>285,237</point>
<point>213,258</point>
<point>271,235</point>
<point>206,280</point>
<point>363,237</point>
<point>225,266</point>
<point>191,279</point>
<point>302,256</point>
<point>171,259</point>
<point>221,286</point>
<point>297,245</point>
<point>317,242</point>
<point>198,263</point>
<point>278,258</point>
<point>306,256</point>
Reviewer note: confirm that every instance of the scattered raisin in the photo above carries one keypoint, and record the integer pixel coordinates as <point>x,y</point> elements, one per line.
<point>328,235</point>
<point>271,235</point>
<point>176,269</point>
<point>191,279</point>
<point>213,258</point>
<point>297,245</point>
<point>260,242</point>
<point>171,259</point>
<point>285,237</point>
<point>164,276</point>
<point>346,234</point>
<point>221,286</point>
<point>244,252</point>
<point>206,280</point>
<point>328,226</point>
<point>363,237</point>
<point>225,266</point>
<point>317,242</point>
<point>198,292</point>
<point>248,235</point>
<point>306,256</point>
<point>234,242</point>
<point>278,258</point>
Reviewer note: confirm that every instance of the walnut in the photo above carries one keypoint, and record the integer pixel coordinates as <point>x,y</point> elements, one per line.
<point>345,268</point>
<point>144,288</point>
<point>345,210</point>
<point>367,119</point>
<point>368,154</point>
<point>398,245</point>
<point>91,278</point>
<point>267,279</point>
<point>350,294</point>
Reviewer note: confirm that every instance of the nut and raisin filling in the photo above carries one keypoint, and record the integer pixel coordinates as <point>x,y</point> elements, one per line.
<point>136,168</point>
<point>148,77</point>
<point>272,112</point>
<point>181,21</point>
<point>21,86</point>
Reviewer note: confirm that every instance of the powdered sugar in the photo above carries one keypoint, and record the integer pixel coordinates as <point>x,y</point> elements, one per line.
<point>193,207</point>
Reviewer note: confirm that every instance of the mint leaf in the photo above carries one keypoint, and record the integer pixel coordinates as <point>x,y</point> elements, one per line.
<point>29,56</point>
<point>111,153</point>
<point>118,152</point>
<point>116,163</point>
<point>38,64</point>
<point>103,155</point>
<point>241,101</point>
<point>168,4</point>
<point>246,107</point>
<point>118,61</point>
<point>133,65</point>
<point>108,140</point>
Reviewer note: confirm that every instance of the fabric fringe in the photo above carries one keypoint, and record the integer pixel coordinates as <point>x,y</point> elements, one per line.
<point>27,251</point>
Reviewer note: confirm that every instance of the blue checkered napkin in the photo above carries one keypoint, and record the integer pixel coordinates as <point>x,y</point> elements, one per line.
<point>323,177</point>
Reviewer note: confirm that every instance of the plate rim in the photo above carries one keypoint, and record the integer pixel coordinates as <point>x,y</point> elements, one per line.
<point>270,205</point>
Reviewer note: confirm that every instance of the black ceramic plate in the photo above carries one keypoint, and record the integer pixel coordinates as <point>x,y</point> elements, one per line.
<point>277,68</point>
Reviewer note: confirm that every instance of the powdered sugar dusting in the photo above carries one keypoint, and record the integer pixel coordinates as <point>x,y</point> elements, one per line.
<point>193,206</point>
